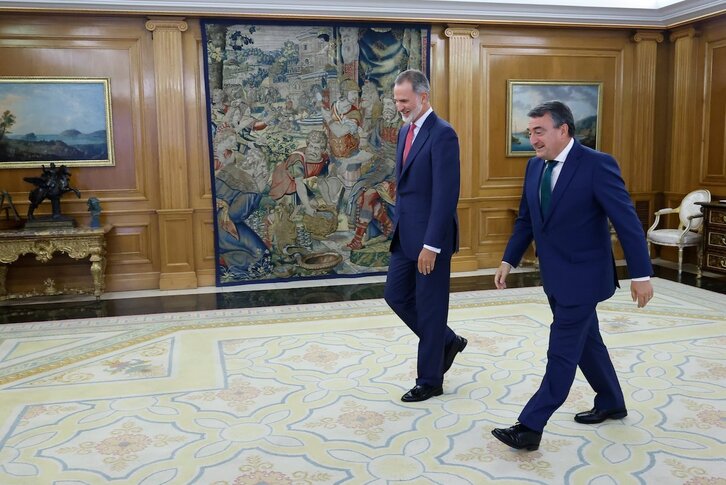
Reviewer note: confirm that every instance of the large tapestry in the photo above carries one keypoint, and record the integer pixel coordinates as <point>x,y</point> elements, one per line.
<point>303,130</point>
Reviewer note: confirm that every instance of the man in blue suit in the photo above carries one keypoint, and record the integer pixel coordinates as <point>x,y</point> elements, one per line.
<point>426,232</point>
<point>570,192</point>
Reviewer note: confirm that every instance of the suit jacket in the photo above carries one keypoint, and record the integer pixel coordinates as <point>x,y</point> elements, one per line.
<point>573,240</point>
<point>427,189</point>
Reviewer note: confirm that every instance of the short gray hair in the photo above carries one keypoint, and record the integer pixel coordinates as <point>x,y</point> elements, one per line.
<point>419,81</point>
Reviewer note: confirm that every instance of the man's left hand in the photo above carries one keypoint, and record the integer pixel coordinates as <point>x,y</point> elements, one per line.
<point>641,291</point>
<point>426,261</point>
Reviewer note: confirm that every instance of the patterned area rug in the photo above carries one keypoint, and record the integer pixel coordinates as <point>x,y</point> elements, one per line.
<point>309,394</point>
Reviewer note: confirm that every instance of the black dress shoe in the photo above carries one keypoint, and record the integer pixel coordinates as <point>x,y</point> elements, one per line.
<point>456,346</point>
<point>421,393</point>
<point>518,436</point>
<point>595,415</point>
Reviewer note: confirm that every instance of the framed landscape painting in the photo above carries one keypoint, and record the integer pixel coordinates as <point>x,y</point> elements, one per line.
<point>583,98</point>
<point>55,119</point>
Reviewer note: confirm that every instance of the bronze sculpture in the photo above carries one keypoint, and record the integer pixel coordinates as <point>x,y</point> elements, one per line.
<point>94,207</point>
<point>52,184</point>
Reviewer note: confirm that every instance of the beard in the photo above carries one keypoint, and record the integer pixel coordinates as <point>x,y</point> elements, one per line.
<point>414,112</point>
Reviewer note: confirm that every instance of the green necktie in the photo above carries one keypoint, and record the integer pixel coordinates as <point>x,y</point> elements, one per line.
<point>545,188</point>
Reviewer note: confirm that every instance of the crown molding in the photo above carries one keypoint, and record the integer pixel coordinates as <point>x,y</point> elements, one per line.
<point>566,12</point>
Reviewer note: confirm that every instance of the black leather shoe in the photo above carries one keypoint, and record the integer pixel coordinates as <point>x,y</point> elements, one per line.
<point>421,393</point>
<point>457,345</point>
<point>519,437</point>
<point>595,416</point>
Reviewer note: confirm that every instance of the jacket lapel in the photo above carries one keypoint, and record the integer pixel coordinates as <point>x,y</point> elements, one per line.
<point>534,184</point>
<point>418,142</point>
<point>565,177</point>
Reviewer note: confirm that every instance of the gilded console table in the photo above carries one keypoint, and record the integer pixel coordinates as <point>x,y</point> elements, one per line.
<point>76,242</point>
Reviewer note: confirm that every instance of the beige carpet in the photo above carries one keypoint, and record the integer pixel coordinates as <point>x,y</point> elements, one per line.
<point>310,394</point>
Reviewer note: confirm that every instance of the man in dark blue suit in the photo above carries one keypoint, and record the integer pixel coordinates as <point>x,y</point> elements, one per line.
<point>570,192</point>
<point>426,232</point>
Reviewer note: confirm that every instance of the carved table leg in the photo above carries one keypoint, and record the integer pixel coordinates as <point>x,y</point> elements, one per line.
<point>97,265</point>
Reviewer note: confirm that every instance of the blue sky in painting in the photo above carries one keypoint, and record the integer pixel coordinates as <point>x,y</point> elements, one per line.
<point>50,108</point>
<point>582,100</point>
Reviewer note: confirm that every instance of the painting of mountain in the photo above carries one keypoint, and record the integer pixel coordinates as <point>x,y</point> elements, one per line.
<point>45,120</point>
<point>583,98</point>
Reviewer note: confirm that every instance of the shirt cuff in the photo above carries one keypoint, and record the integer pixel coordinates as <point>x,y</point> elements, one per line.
<point>431,248</point>
<point>642,278</point>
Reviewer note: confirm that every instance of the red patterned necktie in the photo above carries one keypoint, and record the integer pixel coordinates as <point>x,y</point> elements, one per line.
<point>409,142</point>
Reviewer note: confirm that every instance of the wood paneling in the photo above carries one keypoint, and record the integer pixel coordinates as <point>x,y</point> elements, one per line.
<point>663,118</point>
<point>685,147</point>
<point>199,168</point>
<point>132,252</point>
<point>175,215</point>
<point>506,54</point>
<point>555,58</point>
<point>120,49</point>
<point>714,158</point>
<point>113,48</point>
<point>461,56</point>
<point>643,84</point>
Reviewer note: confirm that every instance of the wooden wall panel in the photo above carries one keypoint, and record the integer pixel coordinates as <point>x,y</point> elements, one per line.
<point>439,69</point>
<point>204,247</point>
<point>195,101</point>
<point>663,118</point>
<point>697,150</point>
<point>119,49</point>
<point>536,55</point>
<point>495,224</point>
<point>643,82</point>
<point>686,120</point>
<point>130,245</point>
<point>663,113</point>
<point>133,252</point>
<point>200,180</point>
<point>553,58</point>
<point>466,223</point>
<point>713,168</point>
<point>113,48</point>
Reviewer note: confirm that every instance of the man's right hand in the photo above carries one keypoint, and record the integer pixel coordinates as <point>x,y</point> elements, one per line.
<point>500,277</point>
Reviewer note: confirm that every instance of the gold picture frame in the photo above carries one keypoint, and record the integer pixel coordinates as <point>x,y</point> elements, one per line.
<point>63,120</point>
<point>583,97</point>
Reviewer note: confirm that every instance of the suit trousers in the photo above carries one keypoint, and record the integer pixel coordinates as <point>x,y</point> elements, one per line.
<point>574,341</point>
<point>422,302</point>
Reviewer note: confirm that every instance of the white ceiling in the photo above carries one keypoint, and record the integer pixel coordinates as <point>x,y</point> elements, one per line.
<point>634,13</point>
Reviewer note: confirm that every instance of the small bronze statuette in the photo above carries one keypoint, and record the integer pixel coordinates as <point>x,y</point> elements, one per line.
<point>94,207</point>
<point>52,184</point>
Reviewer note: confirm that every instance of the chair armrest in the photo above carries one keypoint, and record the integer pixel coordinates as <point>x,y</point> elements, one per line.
<point>661,212</point>
<point>668,211</point>
<point>690,220</point>
<point>688,226</point>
